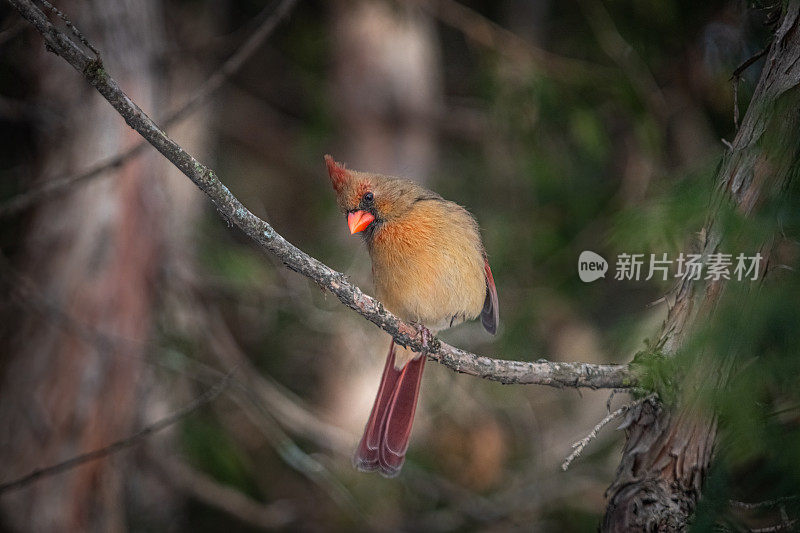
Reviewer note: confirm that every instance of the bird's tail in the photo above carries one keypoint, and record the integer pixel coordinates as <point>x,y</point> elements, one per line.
<point>385,441</point>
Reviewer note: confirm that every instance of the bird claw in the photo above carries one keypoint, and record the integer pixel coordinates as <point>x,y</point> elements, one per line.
<point>425,336</point>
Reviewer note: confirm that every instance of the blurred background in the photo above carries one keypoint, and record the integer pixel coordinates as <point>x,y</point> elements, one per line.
<point>563,126</point>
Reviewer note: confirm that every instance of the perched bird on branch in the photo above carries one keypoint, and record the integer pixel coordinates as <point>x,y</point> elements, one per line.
<point>430,269</point>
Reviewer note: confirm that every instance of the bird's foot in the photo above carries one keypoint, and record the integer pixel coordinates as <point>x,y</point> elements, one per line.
<point>425,336</point>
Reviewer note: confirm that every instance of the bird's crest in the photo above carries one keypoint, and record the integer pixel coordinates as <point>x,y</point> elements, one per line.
<point>339,175</point>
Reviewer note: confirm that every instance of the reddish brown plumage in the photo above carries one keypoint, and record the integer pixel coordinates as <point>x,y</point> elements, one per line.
<point>385,441</point>
<point>337,172</point>
<point>430,268</point>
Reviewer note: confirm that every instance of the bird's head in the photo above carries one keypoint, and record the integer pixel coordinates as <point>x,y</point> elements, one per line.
<point>370,200</point>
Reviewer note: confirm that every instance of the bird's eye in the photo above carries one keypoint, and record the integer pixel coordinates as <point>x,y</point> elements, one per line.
<point>368,197</point>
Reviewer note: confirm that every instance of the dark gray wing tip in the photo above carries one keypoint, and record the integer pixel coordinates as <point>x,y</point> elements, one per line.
<point>489,315</point>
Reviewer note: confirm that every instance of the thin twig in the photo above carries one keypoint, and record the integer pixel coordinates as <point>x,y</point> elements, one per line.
<point>626,57</point>
<point>786,526</point>
<point>290,412</point>
<point>581,444</point>
<point>737,73</point>
<point>259,389</point>
<point>737,76</point>
<point>295,457</point>
<point>489,34</point>
<point>614,392</point>
<point>254,385</point>
<point>542,372</point>
<point>766,503</point>
<point>122,444</point>
<point>71,27</point>
<point>25,292</point>
<point>54,186</point>
<point>268,407</point>
<point>205,489</point>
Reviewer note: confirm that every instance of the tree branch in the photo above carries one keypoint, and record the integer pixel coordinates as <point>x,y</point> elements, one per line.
<point>122,444</point>
<point>53,187</point>
<point>556,374</point>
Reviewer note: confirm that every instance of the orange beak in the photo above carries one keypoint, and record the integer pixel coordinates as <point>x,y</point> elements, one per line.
<point>359,220</point>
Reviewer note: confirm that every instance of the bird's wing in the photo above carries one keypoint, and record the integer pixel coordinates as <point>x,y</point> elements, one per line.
<point>490,316</point>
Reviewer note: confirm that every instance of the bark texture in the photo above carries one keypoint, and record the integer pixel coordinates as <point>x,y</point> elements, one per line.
<point>668,451</point>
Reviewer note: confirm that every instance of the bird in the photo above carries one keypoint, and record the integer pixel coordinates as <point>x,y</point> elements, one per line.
<point>430,269</point>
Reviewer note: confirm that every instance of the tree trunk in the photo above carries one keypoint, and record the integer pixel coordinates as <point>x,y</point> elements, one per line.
<point>91,256</point>
<point>387,87</point>
<point>668,450</point>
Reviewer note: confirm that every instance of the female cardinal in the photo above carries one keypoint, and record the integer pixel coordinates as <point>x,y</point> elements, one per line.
<point>430,269</point>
